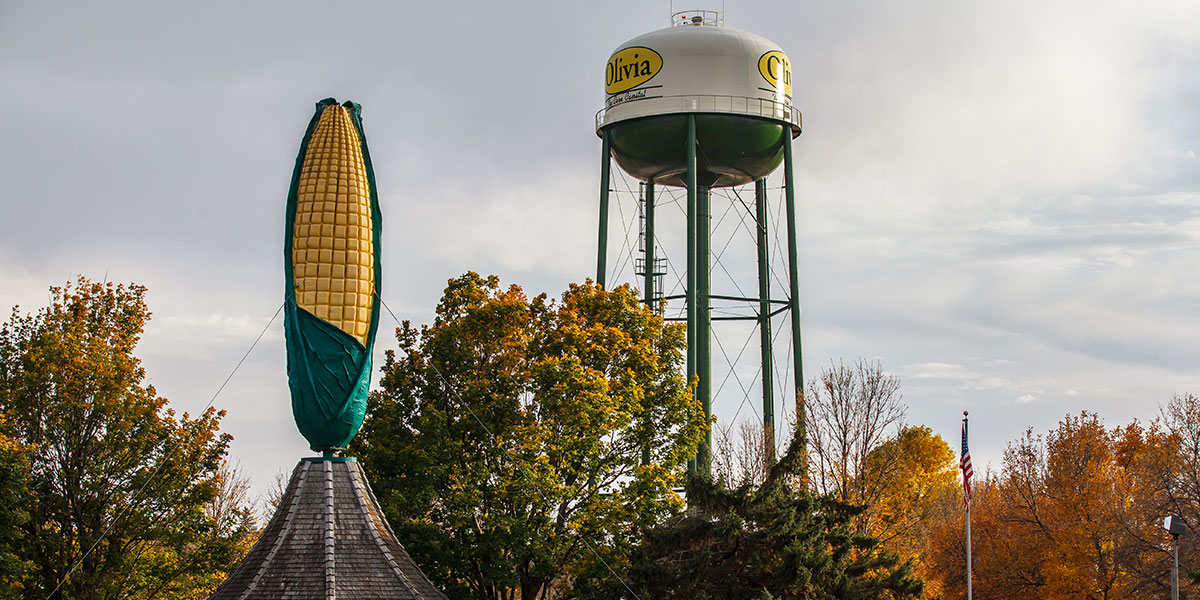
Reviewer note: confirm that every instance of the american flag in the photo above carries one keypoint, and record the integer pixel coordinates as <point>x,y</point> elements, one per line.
<point>964,462</point>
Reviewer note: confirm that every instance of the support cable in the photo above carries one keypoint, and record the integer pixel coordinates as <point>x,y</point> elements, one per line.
<point>777,249</point>
<point>731,194</point>
<point>745,390</point>
<point>625,255</point>
<point>680,285</point>
<point>719,255</point>
<point>780,381</point>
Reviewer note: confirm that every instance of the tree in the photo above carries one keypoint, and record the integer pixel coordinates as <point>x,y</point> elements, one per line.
<point>117,484</point>
<point>1181,482</point>
<point>1073,514</point>
<point>14,489</point>
<point>913,470</point>
<point>505,444</point>
<point>852,411</point>
<point>917,474</point>
<point>231,512</point>
<point>774,540</point>
<point>741,453</point>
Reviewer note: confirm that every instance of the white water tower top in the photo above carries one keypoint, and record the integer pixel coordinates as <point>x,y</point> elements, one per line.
<point>698,65</point>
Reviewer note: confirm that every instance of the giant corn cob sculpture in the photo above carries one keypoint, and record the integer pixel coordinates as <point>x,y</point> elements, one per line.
<point>331,263</point>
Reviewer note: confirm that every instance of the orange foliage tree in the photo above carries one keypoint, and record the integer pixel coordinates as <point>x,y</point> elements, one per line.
<point>1073,514</point>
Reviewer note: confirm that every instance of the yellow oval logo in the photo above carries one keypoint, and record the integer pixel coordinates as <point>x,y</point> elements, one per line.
<point>776,69</point>
<point>630,68</point>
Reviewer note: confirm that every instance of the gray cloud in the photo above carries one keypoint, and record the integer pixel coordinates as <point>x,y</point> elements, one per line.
<point>1000,203</point>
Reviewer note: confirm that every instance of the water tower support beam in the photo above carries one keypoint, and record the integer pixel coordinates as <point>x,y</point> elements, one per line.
<point>704,318</point>
<point>602,254</point>
<point>764,323</point>
<point>692,313</point>
<point>794,300</point>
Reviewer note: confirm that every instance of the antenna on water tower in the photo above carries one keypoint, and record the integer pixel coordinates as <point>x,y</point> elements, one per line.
<point>698,106</point>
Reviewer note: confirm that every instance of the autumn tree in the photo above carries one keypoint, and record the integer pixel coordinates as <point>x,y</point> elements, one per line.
<point>506,442</point>
<point>852,411</point>
<point>1072,514</point>
<point>915,470</point>
<point>903,478</point>
<point>917,475</point>
<point>117,483</point>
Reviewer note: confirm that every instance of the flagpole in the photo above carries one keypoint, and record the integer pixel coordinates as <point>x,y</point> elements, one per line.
<point>968,552</point>
<point>968,497</point>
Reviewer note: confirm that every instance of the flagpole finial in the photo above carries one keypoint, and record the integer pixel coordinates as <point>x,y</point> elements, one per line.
<point>964,413</point>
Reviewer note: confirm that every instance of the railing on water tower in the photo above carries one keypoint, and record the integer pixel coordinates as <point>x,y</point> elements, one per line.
<point>712,103</point>
<point>707,17</point>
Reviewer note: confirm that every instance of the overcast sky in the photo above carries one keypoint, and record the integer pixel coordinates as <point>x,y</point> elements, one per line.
<point>1000,203</point>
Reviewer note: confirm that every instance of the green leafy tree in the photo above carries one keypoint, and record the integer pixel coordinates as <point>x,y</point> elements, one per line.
<point>14,489</point>
<point>117,485</point>
<point>773,540</point>
<point>506,442</point>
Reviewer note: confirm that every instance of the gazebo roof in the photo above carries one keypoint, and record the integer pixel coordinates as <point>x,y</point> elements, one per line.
<point>328,539</point>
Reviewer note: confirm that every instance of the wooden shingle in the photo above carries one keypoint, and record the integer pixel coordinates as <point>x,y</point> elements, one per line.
<point>328,539</point>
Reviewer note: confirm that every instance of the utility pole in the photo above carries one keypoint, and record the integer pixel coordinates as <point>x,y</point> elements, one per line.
<point>1174,526</point>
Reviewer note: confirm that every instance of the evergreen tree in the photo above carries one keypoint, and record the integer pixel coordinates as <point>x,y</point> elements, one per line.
<point>773,540</point>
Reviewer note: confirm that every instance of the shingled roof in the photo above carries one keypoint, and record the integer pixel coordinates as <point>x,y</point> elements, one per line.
<point>328,539</point>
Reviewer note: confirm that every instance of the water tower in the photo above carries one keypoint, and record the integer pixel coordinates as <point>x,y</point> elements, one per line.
<point>700,107</point>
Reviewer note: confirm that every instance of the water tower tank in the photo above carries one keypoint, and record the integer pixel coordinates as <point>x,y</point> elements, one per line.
<point>737,84</point>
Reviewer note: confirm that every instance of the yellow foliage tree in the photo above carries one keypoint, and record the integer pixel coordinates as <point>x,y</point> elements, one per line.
<point>917,474</point>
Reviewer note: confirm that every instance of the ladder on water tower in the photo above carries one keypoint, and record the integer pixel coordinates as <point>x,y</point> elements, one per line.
<point>659,266</point>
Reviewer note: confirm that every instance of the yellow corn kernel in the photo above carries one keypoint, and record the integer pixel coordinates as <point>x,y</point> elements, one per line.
<point>332,245</point>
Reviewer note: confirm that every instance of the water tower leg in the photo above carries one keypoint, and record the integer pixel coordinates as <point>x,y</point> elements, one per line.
<point>704,318</point>
<point>794,301</point>
<point>648,292</point>
<point>692,265</point>
<point>601,254</point>
<point>764,324</point>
